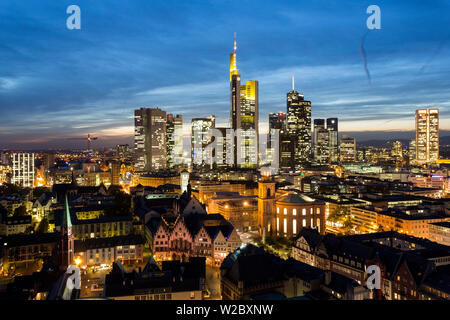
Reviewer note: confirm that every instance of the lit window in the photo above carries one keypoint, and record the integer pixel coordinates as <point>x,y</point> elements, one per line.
<point>304,222</point>
<point>294,212</point>
<point>278,224</point>
<point>284,211</point>
<point>304,211</point>
<point>278,209</point>
<point>294,226</point>
<point>285,225</point>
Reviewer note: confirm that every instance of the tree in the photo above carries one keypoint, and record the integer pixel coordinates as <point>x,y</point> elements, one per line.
<point>339,214</point>
<point>121,206</point>
<point>20,211</point>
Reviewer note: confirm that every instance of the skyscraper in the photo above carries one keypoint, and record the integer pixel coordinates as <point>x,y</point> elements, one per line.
<point>244,116</point>
<point>333,140</point>
<point>412,151</point>
<point>23,172</point>
<point>396,149</point>
<point>427,136</point>
<point>321,142</point>
<point>299,126</point>
<point>115,172</point>
<point>150,139</point>
<point>174,136</point>
<point>347,149</point>
<point>201,138</point>
<point>277,121</point>
<point>249,124</point>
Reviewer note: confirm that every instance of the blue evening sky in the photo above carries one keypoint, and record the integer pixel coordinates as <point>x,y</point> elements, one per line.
<point>57,83</point>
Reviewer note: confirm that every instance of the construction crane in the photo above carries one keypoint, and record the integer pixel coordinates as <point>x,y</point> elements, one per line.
<point>88,138</point>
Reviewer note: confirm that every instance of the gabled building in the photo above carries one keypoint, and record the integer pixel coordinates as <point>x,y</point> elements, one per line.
<point>409,266</point>
<point>173,281</point>
<point>179,237</point>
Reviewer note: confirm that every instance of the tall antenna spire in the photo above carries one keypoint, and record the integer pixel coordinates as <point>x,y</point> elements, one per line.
<point>292,82</point>
<point>235,42</point>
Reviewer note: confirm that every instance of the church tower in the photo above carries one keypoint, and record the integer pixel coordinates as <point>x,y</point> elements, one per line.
<point>266,205</point>
<point>66,245</point>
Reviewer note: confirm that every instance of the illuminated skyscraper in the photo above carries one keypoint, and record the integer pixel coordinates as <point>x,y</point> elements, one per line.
<point>347,149</point>
<point>200,140</point>
<point>321,142</point>
<point>412,151</point>
<point>277,121</point>
<point>244,115</point>
<point>115,172</point>
<point>427,136</point>
<point>150,139</point>
<point>333,140</point>
<point>249,124</point>
<point>23,172</point>
<point>174,136</point>
<point>299,126</point>
<point>397,149</point>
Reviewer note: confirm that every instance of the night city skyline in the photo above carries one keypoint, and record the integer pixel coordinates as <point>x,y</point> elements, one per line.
<point>57,83</point>
<point>214,158</point>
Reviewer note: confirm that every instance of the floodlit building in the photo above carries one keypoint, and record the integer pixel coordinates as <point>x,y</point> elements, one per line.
<point>347,149</point>
<point>202,156</point>
<point>321,142</point>
<point>299,126</point>
<point>427,136</point>
<point>244,116</point>
<point>23,172</point>
<point>295,212</point>
<point>174,135</point>
<point>333,139</point>
<point>150,139</point>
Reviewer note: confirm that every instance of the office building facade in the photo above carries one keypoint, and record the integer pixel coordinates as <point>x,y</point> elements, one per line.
<point>174,136</point>
<point>202,156</point>
<point>23,172</point>
<point>150,139</point>
<point>299,126</point>
<point>427,136</point>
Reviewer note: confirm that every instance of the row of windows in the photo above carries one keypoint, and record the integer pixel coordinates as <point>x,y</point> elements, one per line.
<point>294,224</point>
<point>294,211</point>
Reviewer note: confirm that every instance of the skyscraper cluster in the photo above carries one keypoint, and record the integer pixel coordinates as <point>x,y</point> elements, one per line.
<point>293,142</point>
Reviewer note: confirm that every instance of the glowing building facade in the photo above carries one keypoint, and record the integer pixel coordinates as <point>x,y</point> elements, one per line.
<point>202,157</point>
<point>174,136</point>
<point>244,116</point>
<point>150,139</point>
<point>23,172</point>
<point>299,126</point>
<point>347,149</point>
<point>333,139</point>
<point>427,136</point>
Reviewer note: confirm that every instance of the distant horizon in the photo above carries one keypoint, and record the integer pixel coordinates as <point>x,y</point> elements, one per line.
<point>111,142</point>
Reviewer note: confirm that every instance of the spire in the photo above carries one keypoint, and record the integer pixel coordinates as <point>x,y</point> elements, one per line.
<point>67,222</point>
<point>233,66</point>
<point>293,82</point>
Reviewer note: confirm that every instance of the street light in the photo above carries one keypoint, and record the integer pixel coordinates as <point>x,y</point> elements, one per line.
<point>77,261</point>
